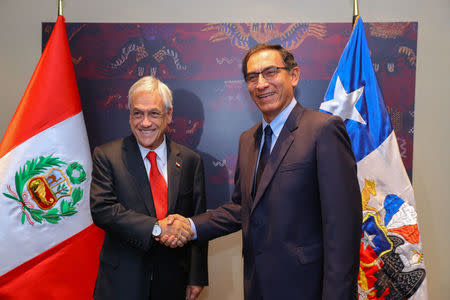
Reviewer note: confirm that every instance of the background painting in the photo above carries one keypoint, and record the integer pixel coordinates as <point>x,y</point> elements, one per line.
<point>201,64</point>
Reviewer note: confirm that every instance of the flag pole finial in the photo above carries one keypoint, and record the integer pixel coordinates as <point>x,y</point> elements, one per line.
<point>355,11</point>
<point>60,8</point>
<point>355,8</point>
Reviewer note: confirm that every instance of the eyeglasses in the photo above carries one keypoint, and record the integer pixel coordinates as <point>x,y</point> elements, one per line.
<point>268,74</point>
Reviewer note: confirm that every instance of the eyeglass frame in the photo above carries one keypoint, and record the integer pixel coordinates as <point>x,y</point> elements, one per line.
<point>274,68</point>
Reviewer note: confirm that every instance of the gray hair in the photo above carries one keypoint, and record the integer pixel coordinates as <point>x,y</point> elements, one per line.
<point>151,84</point>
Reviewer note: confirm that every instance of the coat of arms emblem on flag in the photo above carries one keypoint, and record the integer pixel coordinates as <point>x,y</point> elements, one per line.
<point>44,182</point>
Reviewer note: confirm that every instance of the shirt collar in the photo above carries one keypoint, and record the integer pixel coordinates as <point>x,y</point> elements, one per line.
<point>161,152</point>
<point>278,123</point>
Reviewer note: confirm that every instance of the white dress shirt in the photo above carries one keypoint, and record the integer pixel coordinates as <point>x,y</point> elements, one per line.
<point>161,159</point>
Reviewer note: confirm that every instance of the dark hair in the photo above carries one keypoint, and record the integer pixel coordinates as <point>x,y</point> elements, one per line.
<point>288,58</point>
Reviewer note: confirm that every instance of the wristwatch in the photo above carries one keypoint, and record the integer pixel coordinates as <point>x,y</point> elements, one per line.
<point>156,232</point>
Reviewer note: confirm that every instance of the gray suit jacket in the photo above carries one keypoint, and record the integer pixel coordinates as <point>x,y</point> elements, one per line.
<point>301,233</point>
<point>122,205</point>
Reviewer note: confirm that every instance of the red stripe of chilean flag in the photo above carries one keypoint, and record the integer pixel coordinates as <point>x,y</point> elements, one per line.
<point>67,267</point>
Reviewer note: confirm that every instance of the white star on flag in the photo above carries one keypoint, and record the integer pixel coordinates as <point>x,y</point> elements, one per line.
<point>343,104</point>
<point>368,240</point>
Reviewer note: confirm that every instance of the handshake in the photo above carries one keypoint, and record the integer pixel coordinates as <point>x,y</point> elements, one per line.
<point>176,231</point>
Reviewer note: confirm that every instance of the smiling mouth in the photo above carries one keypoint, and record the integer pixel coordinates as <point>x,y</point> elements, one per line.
<point>146,131</point>
<point>265,95</point>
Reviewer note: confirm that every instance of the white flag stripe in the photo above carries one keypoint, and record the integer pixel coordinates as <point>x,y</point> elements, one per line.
<point>384,165</point>
<point>19,242</point>
<point>421,293</point>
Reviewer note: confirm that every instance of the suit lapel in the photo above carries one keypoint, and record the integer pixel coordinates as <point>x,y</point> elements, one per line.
<point>133,161</point>
<point>279,150</point>
<point>252,158</point>
<point>174,166</point>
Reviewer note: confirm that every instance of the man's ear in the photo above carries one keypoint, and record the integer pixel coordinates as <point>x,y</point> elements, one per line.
<point>295,75</point>
<point>169,115</point>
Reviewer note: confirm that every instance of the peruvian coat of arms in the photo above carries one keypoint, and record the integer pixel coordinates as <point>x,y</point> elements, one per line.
<point>47,189</point>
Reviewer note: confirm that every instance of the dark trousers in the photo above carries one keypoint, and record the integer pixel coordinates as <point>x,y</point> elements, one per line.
<point>165,286</point>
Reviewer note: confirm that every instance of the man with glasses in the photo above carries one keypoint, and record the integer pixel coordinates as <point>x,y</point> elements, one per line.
<point>136,182</point>
<point>296,195</point>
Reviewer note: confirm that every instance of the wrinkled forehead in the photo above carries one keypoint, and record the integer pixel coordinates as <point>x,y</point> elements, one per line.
<point>263,59</point>
<point>146,100</point>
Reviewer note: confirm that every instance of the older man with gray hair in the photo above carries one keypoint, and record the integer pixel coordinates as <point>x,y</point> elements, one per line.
<point>136,182</point>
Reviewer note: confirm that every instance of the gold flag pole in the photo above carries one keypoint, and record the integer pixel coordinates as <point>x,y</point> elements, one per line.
<point>355,11</point>
<point>60,8</point>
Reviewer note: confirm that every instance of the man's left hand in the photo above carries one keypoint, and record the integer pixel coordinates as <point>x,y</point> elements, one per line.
<point>192,292</point>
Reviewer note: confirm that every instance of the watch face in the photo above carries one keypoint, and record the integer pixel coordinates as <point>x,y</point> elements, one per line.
<point>156,230</point>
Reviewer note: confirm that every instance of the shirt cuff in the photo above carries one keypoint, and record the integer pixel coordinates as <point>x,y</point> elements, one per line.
<point>193,228</point>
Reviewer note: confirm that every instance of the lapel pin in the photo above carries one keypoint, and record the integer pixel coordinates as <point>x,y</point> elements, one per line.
<point>178,164</point>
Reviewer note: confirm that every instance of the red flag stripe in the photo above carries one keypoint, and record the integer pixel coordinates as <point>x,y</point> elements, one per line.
<point>65,271</point>
<point>51,96</point>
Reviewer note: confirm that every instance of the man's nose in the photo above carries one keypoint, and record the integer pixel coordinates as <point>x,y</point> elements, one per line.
<point>262,82</point>
<point>147,121</point>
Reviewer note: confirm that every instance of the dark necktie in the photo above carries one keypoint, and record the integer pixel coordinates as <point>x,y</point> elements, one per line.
<point>264,156</point>
<point>158,186</point>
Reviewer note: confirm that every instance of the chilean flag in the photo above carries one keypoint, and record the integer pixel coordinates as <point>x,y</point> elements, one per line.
<point>49,246</point>
<point>391,255</point>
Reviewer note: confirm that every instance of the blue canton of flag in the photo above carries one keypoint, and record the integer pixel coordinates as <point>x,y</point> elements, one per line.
<point>362,109</point>
<point>391,264</point>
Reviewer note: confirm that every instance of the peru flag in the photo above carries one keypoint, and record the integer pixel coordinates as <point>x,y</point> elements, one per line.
<point>49,246</point>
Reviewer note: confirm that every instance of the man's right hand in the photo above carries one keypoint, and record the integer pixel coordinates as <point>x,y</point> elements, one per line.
<point>176,231</point>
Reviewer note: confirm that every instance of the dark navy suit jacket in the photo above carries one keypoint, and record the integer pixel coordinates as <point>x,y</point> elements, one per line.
<point>301,232</point>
